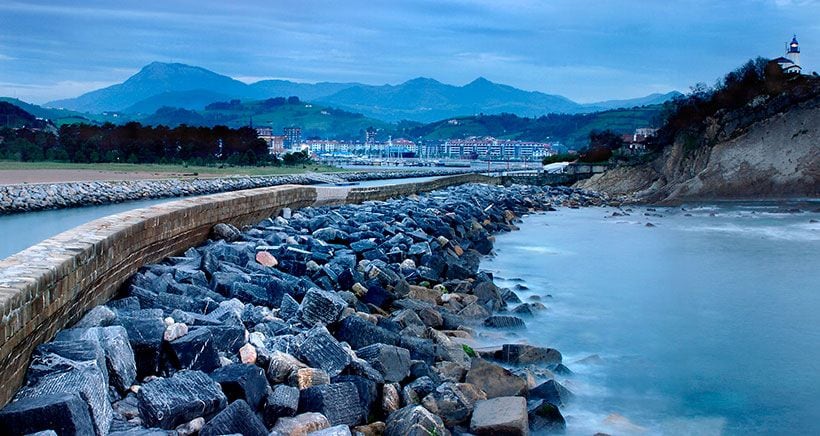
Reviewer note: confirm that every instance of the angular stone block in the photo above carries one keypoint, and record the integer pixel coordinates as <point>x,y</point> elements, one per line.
<point>320,306</point>
<point>495,380</point>
<point>391,361</point>
<point>237,418</point>
<point>339,402</point>
<point>414,421</point>
<point>552,392</point>
<point>242,382</point>
<point>169,402</point>
<point>195,351</point>
<point>282,401</point>
<point>300,425</point>
<point>321,350</point>
<point>502,415</point>
<point>65,413</point>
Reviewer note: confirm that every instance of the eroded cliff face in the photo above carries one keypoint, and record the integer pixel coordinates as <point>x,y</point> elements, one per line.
<point>775,157</point>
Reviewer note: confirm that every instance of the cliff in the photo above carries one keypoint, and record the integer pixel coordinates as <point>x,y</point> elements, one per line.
<point>770,148</point>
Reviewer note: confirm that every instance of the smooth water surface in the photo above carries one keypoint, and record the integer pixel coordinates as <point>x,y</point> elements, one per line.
<point>703,324</point>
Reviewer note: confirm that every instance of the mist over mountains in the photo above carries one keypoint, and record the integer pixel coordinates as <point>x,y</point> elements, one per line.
<point>177,85</point>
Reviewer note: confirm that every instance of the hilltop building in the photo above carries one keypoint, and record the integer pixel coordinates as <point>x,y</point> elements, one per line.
<point>790,63</point>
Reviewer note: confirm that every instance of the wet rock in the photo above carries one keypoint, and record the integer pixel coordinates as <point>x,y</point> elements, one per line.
<point>65,413</point>
<point>321,350</point>
<point>453,402</point>
<point>562,369</point>
<point>504,322</point>
<point>339,402</point>
<point>546,418</point>
<point>552,392</point>
<point>237,418</point>
<point>414,421</point>
<point>500,416</point>
<point>495,380</point>
<point>169,402</point>
<point>282,401</point>
<point>300,425</point>
<point>521,354</point>
<point>242,382</point>
<point>391,361</point>
<point>195,351</point>
<point>320,306</point>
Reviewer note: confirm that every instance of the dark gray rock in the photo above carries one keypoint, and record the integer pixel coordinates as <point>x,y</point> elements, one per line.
<point>169,402</point>
<point>320,306</point>
<point>391,361</point>
<point>339,402</point>
<point>226,232</point>
<point>368,393</point>
<point>65,413</point>
<point>546,418</point>
<point>254,294</point>
<point>237,418</point>
<point>194,351</point>
<point>119,357</point>
<point>521,354</point>
<point>242,382</point>
<point>504,322</point>
<point>282,401</point>
<point>288,307</point>
<point>552,392</point>
<point>414,421</point>
<point>359,333</point>
<point>99,316</point>
<point>321,350</point>
<point>145,335</point>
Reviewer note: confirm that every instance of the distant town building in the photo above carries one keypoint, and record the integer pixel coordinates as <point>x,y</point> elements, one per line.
<point>276,143</point>
<point>790,63</point>
<point>370,136</point>
<point>293,138</point>
<point>635,143</point>
<point>491,148</point>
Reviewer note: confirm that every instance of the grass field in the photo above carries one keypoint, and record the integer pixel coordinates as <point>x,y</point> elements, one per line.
<point>177,169</point>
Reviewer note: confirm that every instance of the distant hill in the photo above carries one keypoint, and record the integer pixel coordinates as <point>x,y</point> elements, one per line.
<point>152,80</point>
<point>641,101</point>
<point>13,116</point>
<point>57,116</point>
<point>183,86</point>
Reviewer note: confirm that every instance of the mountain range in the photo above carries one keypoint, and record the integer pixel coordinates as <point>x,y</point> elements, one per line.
<point>183,86</point>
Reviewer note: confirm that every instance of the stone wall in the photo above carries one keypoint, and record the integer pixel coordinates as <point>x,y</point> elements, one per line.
<point>51,285</point>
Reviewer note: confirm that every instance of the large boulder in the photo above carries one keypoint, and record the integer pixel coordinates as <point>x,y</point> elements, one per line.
<point>339,402</point>
<point>195,350</point>
<point>453,402</point>
<point>320,306</point>
<point>360,333</point>
<point>237,418</point>
<point>321,350</point>
<point>500,416</point>
<point>119,357</point>
<point>145,335</point>
<point>169,402</point>
<point>65,413</point>
<point>281,366</point>
<point>414,421</point>
<point>522,354</point>
<point>282,401</point>
<point>545,417</point>
<point>495,380</point>
<point>391,361</point>
<point>242,382</point>
<point>552,392</point>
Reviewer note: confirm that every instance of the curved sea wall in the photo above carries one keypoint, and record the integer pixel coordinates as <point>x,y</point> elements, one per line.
<point>32,197</point>
<point>50,285</point>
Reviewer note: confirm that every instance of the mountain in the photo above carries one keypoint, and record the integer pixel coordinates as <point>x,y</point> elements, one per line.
<point>428,100</point>
<point>650,99</point>
<point>423,100</point>
<point>57,116</point>
<point>154,79</point>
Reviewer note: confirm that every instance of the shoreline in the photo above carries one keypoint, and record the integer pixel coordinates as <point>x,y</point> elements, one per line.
<point>23,198</point>
<point>380,295</point>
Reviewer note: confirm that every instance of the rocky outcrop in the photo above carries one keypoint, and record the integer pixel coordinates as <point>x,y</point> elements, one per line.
<point>756,152</point>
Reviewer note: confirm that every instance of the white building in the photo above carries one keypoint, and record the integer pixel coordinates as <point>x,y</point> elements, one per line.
<point>790,63</point>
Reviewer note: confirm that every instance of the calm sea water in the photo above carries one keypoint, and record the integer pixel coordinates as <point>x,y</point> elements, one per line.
<point>703,324</point>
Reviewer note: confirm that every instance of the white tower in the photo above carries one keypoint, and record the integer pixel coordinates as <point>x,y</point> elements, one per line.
<point>794,51</point>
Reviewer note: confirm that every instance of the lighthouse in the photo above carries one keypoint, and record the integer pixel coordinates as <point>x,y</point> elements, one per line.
<point>790,63</point>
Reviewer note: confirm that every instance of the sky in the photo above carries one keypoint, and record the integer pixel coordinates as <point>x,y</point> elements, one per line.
<point>585,50</point>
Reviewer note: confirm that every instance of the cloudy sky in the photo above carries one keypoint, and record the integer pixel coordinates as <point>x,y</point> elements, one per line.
<point>587,50</point>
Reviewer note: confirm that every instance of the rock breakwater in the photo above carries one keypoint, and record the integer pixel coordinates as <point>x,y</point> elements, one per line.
<point>355,320</point>
<point>33,197</point>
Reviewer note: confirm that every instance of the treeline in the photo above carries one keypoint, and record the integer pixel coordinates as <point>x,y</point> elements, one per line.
<point>135,143</point>
<point>686,116</point>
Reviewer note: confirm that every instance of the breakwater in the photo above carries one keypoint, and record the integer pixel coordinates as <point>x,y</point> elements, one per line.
<point>32,197</point>
<point>344,316</point>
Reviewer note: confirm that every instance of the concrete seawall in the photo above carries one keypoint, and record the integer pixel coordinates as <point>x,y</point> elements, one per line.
<point>51,285</point>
